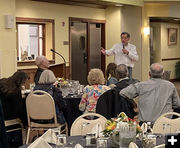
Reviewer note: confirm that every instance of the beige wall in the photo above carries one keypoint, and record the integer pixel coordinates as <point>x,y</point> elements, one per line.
<point>131,21</point>
<point>113,21</point>
<point>169,51</point>
<point>8,52</point>
<point>156,42</point>
<point>163,51</point>
<point>149,10</point>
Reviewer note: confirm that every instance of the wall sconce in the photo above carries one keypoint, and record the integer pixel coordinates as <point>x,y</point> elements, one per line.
<point>146,30</point>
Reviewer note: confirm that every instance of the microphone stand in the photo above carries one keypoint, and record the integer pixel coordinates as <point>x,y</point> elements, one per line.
<point>64,65</point>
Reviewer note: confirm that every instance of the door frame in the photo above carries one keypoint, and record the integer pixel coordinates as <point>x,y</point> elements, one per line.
<point>88,21</point>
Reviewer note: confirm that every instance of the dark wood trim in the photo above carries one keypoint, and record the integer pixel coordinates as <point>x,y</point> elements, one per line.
<point>33,20</point>
<point>88,47</point>
<point>86,20</point>
<point>170,59</point>
<point>31,63</point>
<point>103,44</point>
<point>172,20</point>
<point>43,38</point>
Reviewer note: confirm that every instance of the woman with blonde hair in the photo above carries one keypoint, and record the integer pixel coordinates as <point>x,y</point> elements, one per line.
<point>92,91</point>
<point>47,82</point>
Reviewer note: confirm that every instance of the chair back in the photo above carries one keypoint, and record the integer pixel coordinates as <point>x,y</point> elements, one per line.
<point>40,106</point>
<point>133,145</point>
<point>83,124</point>
<point>166,125</point>
<point>160,146</point>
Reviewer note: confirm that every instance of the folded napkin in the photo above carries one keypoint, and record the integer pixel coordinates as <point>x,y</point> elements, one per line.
<point>97,129</point>
<point>78,146</point>
<point>49,136</point>
<point>39,143</point>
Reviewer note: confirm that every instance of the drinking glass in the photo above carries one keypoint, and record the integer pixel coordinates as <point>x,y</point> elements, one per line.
<point>127,134</point>
<point>90,139</point>
<point>56,131</point>
<point>101,142</point>
<point>169,127</point>
<point>61,140</point>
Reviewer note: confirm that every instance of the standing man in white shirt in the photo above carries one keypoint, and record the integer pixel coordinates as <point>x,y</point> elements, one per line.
<point>124,53</point>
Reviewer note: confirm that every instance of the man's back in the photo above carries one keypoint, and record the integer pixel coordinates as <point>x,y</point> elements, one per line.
<point>156,97</point>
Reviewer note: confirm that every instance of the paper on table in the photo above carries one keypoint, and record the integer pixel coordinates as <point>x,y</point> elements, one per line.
<point>38,143</point>
<point>78,146</point>
<point>97,129</point>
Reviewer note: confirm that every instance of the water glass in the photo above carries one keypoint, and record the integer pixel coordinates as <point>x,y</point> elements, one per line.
<point>90,139</point>
<point>127,134</point>
<point>61,140</point>
<point>56,131</point>
<point>101,142</point>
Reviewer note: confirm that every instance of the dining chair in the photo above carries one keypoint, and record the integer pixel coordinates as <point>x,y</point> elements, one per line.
<point>85,123</point>
<point>41,113</point>
<point>164,124</point>
<point>160,146</point>
<point>133,145</point>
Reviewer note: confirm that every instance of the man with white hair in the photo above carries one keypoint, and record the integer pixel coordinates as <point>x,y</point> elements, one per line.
<point>42,64</point>
<point>156,96</point>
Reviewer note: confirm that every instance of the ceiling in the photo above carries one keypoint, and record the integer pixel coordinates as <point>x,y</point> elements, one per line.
<point>87,3</point>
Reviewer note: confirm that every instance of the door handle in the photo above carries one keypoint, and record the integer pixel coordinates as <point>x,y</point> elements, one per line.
<point>85,57</point>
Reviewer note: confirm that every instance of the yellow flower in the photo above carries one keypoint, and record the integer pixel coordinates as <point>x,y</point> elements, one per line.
<point>110,125</point>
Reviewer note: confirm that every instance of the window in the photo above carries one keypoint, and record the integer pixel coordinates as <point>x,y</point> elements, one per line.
<point>34,37</point>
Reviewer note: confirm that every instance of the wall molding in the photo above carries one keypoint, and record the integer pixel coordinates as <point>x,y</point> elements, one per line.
<point>170,59</point>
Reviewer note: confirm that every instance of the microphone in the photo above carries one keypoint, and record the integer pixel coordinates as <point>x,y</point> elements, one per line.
<point>123,46</point>
<point>59,55</point>
<point>63,60</point>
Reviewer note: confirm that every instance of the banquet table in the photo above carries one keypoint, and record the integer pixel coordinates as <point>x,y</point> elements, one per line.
<point>73,140</point>
<point>73,111</point>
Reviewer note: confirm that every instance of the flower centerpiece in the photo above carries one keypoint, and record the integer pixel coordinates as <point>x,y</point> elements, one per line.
<point>62,82</point>
<point>121,127</point>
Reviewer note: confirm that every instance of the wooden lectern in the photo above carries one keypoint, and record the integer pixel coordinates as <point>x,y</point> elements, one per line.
<point>59,70</point>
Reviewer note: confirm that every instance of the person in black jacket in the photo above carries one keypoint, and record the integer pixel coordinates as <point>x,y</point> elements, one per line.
<point>47,82</point>
<point>110,104</point>
<point>12,104</point>
<point>42,64</point>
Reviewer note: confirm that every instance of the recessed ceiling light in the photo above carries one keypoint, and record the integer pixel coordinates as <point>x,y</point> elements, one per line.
<point>176,19</point>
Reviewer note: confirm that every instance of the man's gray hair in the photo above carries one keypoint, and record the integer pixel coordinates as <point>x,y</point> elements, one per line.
<point>39,60</point>
<point>121,71</point>
<point>47,77</point>
<point>156,70</point>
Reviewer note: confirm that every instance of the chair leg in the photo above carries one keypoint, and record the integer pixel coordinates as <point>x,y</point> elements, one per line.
<point>28,134</point>
<point>66,129</point>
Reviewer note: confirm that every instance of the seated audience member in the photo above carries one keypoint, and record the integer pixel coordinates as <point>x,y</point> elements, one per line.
<point>12,103</point>
<point>111,74</point>
<point>156,96</point>
<point>122,76</point>
<point>42,64</point>
<point>92,91</point>
<point>47,83</point>
<point>110,104</point>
